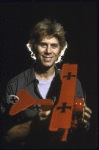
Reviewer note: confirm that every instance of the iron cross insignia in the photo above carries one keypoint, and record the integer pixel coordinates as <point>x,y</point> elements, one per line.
<point>37,107</point>
<point>69,76</point>
<point>13,99</point>
<point>64,107</point>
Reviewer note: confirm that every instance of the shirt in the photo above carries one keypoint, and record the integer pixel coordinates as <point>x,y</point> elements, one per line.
<point>44,85</point>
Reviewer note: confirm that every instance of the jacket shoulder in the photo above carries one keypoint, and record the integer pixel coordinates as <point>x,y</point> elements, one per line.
<point>20,77</point>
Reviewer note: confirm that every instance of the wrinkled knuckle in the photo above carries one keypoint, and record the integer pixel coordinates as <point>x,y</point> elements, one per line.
<point>85,121</point>
<point>89,116</point>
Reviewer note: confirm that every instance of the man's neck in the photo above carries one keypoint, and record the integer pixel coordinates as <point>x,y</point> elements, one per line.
<point>44,73</point>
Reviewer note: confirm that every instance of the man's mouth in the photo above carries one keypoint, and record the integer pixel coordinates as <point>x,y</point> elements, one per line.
<point>47,59</point>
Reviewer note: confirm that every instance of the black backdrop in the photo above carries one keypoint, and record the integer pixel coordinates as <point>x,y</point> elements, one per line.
<point>79,20</point>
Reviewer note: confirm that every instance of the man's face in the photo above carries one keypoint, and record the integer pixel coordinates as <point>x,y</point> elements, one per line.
<point>48,51</point>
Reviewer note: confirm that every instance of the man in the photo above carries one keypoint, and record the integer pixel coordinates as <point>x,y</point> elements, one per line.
<point>29,128</point>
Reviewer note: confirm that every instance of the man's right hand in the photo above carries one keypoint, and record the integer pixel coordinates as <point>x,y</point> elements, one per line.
<point>22,130</point>
<point>43,115</point>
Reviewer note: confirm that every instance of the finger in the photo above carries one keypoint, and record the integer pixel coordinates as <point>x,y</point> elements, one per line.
<point>88,110</point>
<point>87,125</point>
<point>87,115</point>
<point>84,121</point>
<point>48,112</point>
<point>44,113</point>
<point>43,118</point>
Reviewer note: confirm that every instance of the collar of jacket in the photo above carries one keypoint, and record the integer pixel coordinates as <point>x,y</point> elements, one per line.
<point>32,74</point>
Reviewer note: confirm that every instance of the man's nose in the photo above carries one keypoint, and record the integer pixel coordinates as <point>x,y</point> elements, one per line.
<point>48,49</point>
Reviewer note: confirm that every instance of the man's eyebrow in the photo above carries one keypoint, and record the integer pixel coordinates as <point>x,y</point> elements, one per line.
<point>42,43</point>
<point>54,44</point>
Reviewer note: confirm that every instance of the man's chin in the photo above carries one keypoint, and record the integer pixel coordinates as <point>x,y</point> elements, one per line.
<point>46,65</point>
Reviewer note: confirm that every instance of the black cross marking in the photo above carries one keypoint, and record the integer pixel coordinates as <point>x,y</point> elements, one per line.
<point>64,107</point>
<point>69,75</point>
<point>37,107</point>
<point>13,99</point>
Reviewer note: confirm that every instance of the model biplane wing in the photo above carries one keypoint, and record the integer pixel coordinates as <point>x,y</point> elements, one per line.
<point>62,113</point>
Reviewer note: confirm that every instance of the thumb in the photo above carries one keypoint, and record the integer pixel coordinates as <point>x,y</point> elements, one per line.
<point>48,112</point>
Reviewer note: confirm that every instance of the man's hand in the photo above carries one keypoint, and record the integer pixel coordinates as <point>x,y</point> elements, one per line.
<point>22,130</point>
<point>43,115</point>
<point>87,116</point>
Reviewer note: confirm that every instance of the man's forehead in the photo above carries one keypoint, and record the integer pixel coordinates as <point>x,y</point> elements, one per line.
<point>50,39</point>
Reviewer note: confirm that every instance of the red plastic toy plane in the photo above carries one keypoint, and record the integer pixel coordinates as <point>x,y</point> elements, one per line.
<point>63,111</point>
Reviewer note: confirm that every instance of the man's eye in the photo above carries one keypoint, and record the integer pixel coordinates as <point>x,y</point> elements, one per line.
<point>43,44</point>
<point>54,46</point>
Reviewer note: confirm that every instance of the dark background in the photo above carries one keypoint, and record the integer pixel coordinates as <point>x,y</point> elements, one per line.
<point>79,20</point>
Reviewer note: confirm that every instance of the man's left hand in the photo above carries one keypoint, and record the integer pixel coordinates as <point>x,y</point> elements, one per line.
<point>87,116</point>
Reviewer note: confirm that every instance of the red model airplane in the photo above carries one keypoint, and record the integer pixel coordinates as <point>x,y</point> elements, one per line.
<point>63,110</point>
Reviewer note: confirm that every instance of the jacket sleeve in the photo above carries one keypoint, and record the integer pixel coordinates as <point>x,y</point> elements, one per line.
<point>78,89</point>
<point>10,90</point>
<point>7,121</point>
